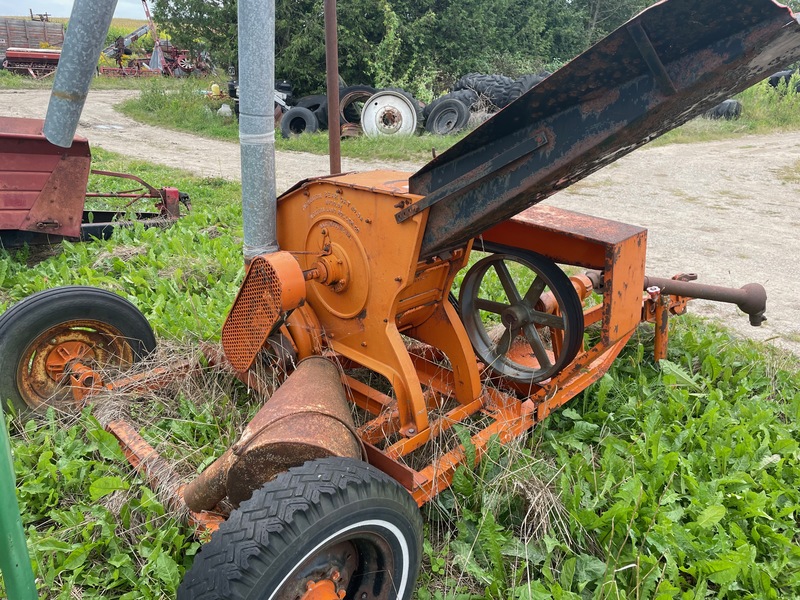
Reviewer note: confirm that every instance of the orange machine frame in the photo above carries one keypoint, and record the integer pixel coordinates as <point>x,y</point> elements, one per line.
<point>364,320</point>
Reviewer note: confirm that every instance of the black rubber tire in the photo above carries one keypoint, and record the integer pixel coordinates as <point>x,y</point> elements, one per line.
<point>349,111</point>
<point>781,76</point>
<point>494,87</point>
<point>467,97</point>
<point>525,83</point>
<point>263,550</point>
<point>730,110</point>
<point>322,116</point>
<point>298,120</point>
<point>469,82</point>
<point>39,313</point>
<point>312,103</point>
<point>447,117</point>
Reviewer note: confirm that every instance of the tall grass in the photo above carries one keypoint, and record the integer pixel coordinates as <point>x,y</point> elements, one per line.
<point>671,481</point>
<point>765,109</point>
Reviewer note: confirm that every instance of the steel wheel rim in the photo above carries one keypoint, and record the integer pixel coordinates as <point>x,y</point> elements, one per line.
<point>39,378</point>
<point>446,121</point>
<point>388,113</point>
<point>354,562</point>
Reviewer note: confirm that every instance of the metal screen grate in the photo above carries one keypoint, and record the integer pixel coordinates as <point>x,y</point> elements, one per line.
<point>255,312</point>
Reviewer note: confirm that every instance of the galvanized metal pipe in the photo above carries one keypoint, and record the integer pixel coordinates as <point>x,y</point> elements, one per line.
<point>15,563</point>
<point>257,125</point>
<point>86,36</point>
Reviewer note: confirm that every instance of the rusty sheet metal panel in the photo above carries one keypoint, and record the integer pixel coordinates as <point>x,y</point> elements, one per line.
<point>22,33</point>
<point>42,186</point>
<point>662,68</point>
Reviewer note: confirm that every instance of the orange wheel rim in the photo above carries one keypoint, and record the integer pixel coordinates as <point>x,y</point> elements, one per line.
<point>43,372</point>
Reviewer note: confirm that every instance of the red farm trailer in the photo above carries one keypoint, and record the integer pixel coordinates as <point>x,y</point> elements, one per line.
<point>43,190</point>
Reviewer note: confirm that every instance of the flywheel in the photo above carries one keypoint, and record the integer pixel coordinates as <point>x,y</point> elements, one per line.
<point>522,314</point>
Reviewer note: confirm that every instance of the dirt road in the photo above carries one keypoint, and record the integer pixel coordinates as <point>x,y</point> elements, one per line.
<point>727,210</point>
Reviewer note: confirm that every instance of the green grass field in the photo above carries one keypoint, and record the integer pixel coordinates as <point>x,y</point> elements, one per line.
<point>676,480</point>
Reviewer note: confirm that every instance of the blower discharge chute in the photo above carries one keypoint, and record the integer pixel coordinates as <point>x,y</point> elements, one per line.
<point>307,504</point>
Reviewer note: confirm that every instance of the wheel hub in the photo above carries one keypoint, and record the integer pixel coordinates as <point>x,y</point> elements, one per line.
<point>326,576</point>
<point>323,590</point>
<point>67,355</point>
<point>62,356</point>
<point>516,316</point>
<point>390,120</point>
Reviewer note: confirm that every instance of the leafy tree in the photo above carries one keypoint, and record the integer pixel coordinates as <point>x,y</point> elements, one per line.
<point>604,16</point>
<point>421,45</point>
<point>201,25</point>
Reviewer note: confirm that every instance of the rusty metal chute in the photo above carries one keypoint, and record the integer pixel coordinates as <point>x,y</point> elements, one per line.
<point>664,67</point>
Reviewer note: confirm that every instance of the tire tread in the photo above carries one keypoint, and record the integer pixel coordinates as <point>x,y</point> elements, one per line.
<point>292,501</point>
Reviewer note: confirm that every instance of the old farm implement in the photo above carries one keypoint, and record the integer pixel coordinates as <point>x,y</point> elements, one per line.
<point>165,59</point>
<point>357,277</point>
<point>30,47</point>
<point>43,191</point>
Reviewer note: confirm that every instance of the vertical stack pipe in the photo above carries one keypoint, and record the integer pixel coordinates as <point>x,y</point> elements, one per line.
<point>257,125</point>
<point>332,81</point>
<point>86,37</point>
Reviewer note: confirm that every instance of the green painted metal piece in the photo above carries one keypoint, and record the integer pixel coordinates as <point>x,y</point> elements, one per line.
<point>15,562</point>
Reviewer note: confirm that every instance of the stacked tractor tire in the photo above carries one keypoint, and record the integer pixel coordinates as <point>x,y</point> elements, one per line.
<point>393,111</point>
<point>362,110</point>
<point>475,93</point>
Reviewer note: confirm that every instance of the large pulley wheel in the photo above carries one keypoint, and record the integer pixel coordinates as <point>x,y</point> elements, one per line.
<point>332,528</point>
<point>522,314</point>
<point>61,333</point>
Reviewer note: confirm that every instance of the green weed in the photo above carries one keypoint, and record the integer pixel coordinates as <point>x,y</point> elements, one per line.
<point>677,480</point>
<point>764,110</point>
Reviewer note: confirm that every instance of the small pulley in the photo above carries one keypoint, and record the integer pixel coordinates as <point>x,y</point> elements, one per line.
<point>522,314</point>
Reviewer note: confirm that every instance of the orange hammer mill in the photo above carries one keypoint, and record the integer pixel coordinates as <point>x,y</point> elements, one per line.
<point>314,504</point>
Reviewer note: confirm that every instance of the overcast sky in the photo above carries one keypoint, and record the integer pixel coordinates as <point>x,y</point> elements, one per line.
<point>126,9</point>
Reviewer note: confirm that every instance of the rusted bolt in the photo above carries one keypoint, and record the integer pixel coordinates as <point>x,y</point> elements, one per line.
<point>364,344</point>
<point>336,576</point>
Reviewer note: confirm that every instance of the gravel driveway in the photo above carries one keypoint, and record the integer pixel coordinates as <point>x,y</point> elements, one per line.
<point>727,210</point>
